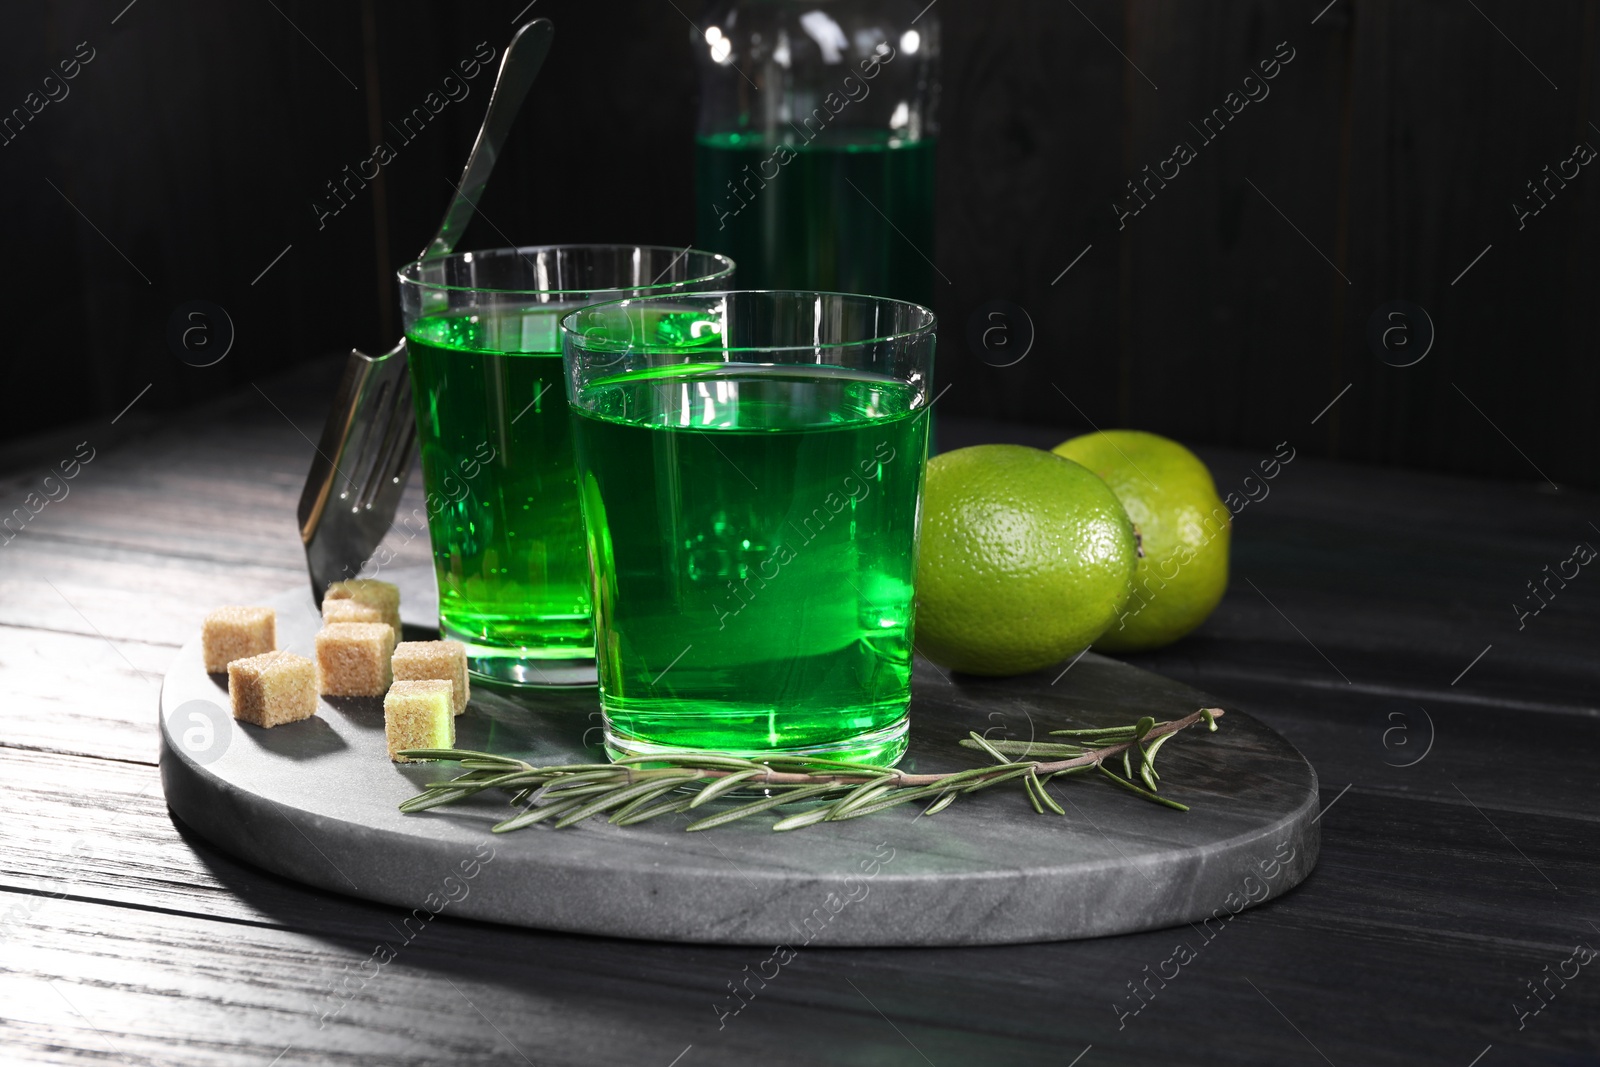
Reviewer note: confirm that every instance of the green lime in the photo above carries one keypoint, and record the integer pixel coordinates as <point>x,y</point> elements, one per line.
<point>1184,530</point>
<point>1026,558</point>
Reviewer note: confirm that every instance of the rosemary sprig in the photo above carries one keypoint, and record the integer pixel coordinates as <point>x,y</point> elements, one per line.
<point>644,787</point>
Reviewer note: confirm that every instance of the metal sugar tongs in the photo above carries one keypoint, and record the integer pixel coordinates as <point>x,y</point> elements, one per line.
<point>370,439</point>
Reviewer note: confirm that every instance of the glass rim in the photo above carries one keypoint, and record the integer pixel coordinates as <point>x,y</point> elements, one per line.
<point>725,268</point>
<point>925,328</point>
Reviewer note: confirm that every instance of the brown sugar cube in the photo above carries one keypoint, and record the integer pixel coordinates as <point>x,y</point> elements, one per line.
<point>272,688</point>
<point>418,714</point>
<point>351,611</point>
<point>385,596</point>
<point>235,633</point>
<point>353,659</point>
<point>434,659</point>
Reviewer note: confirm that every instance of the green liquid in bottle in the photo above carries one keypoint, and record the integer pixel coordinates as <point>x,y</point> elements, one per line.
<point>854,217</point>
<point>497,462</point>
<point>753,532</point>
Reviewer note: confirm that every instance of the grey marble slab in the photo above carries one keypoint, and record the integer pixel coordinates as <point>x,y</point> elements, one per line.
<point>316,802</point>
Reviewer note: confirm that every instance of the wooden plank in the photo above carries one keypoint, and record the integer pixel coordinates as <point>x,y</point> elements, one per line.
<point>169,230</point>
<point>72,586</point>
<point>218,494</point>
<point>99,829</point>
<point>87,632</point>
<point>94,982</point>
<point>1445,749</point>
<point>220,483</point>
<point>1219,286</point>
<point>185,988</point>
<point>1030,130</point>
<point>73,581</point>
<point>79,694</point>
<point>1441,148</point>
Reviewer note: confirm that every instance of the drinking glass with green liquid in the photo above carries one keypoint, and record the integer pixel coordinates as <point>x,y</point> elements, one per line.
<point>750,468</point>
<point>485,355</point>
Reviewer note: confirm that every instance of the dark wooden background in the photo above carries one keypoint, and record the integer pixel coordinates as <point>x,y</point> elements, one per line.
<point>1235,306</point>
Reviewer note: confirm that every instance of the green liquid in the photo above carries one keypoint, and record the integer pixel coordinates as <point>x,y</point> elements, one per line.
<point>808,228</point>
<point>753,532</point>
<point>497,462</point>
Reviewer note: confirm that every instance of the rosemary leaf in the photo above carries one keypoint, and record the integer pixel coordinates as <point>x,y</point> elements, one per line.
<point>479,764</point>
<point>1013,771</point>
<point>517,777</point>
<point>862,794</point>
<point>1124,783</point>
<point>1115,733</point>
<point>1028,748</point>
<point>609,774</point>
<point>892,800</point>
<point>460,781</point>
<point>531,816</point>
<point>939,805</point>
<point>788,796</point>
<point>664,808</point>
<point>434,798</point>
<point>723,785</point>
<point>456,755</point>
<point>661,789</point>
<point>617,797</point>
<point>981,742</point>
<point>1031,784</point>
<point>583,789</point>
<point>968,775</point>
<point>805,818</point>
<point>1147,773</point>
<point>1044,796</point>
<point>816,765</point>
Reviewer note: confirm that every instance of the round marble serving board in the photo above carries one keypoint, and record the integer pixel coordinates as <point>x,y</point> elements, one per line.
<point>316,801</point>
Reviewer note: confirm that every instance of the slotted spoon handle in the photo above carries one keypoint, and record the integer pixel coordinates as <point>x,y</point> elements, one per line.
<point>519,66</point>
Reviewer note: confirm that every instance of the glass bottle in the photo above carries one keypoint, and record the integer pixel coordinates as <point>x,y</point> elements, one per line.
<point>814,153</point>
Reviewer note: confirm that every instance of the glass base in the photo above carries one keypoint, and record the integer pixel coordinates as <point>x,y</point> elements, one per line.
<point>533,668</point>
<point>882,747</point>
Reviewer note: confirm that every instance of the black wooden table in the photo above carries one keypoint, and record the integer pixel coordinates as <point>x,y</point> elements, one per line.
<point>1376,619</point>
